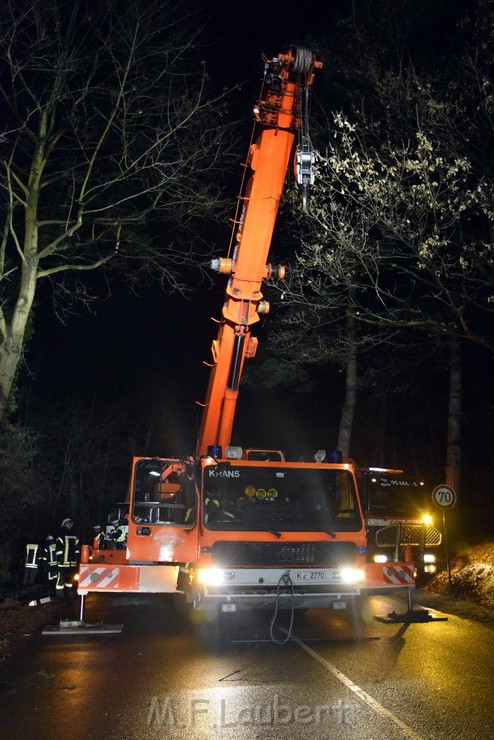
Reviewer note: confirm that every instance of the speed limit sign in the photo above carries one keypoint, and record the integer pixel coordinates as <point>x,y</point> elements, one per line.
<point>444,496</point>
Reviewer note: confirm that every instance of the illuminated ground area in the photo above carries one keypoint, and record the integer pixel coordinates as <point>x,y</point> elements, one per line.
<point>470,595</point>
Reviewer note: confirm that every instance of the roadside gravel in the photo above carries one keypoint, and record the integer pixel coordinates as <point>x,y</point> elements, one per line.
<point>19,621</point>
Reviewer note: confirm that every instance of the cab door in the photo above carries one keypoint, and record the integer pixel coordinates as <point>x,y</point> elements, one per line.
<point>163,512</point>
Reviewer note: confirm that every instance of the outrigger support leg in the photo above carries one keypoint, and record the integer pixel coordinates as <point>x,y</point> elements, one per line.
<point>411,615</point>
<point>81,608</point>
<point>80,627</point>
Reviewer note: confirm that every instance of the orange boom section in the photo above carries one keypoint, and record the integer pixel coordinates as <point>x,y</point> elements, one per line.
<point>280,116</point>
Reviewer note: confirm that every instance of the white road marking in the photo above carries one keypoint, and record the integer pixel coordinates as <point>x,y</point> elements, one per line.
<point>363,695</point>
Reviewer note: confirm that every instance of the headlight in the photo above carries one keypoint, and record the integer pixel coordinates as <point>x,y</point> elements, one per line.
<point>210,576</point>
<point>429,558</point>
<point>380,558</point>
<point>352,575</point>
<point>429,568</point>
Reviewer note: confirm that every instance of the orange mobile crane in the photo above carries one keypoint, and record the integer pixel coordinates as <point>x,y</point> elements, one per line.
<point>231,528</point>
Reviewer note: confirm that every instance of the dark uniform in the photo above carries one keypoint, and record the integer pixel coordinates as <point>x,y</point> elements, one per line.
<point>67,558</point>
<point>215,509</point>
<point>98,537</point>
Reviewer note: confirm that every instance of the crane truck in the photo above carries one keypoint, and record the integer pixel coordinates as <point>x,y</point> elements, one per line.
<point>230,528</point>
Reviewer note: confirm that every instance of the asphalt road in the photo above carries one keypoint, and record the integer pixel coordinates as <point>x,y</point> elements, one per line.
<point>167,676</point>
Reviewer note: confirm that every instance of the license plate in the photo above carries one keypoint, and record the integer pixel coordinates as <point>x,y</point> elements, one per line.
<point>311,575</point>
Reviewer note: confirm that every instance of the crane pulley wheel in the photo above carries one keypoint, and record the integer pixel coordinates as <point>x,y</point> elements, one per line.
<point>303,60</point>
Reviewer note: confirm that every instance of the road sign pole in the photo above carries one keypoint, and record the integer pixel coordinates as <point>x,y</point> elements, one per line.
<point>446,552</point>
<point>444,497</point>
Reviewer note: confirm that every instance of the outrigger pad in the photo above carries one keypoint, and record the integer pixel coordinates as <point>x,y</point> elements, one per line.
<point>80,627</point>
<point>409,617</point>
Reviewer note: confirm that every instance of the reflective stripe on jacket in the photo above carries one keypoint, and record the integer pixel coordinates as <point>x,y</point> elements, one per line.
<point>50,553</point>
<point>31,556</point>
<point>67,550</point>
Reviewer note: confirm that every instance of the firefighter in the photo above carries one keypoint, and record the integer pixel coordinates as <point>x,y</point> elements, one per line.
<point>50,562</point>
<point>67,558</point>
<point>98,537</point>
<point>110,533</point>
<point>121,532</point>
<point>215,509</point>
<point>31,562</point>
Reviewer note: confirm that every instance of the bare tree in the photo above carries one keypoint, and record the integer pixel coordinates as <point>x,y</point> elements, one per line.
<point>111,150</point>
<point>400,237</point>
<point>397,236</point>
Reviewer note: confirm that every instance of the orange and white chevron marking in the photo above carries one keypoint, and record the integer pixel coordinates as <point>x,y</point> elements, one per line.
<point>399,575</point>
<point>127,578</point>
<point>98,578</point>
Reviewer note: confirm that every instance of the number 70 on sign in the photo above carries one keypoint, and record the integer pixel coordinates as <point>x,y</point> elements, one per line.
<point>444,496</point>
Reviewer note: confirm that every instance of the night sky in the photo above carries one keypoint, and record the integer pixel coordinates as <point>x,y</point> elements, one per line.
<point>128,342</point>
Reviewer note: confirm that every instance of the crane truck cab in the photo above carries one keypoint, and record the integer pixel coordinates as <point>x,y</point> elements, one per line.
<point>276,533</point>
<point>162,531</point>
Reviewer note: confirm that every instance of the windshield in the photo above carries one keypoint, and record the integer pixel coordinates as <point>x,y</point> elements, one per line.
<point>280,499</point>
<point>164,493</point>
<point>398,497</point>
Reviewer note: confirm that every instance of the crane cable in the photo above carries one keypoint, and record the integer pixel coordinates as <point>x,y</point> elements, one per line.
<point>303,60</point>
<point>304,144</point>
<point>286,581</point>
<point>301,65</point>
<point>240,200</point>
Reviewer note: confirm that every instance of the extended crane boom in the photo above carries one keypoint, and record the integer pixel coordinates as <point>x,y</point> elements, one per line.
<point>230,528</point>
<point>280,117</point>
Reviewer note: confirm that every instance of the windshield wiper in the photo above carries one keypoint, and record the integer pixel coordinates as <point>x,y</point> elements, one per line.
<point>274,532</point>
<point>322,528</point>
<point>317,528</point>
<point>271,530</point>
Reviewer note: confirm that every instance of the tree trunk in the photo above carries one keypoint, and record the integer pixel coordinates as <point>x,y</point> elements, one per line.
<point>453,443</point>
<point>12,346</point>
<point>348,411</point>
<point>14,331</point>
